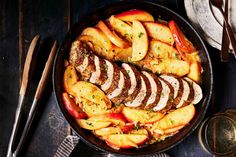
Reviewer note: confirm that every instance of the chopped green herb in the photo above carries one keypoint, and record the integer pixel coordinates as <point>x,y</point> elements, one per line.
<point>172,121</point>
<point>128,71</point>
<point>140,34</point>
<point>136,127</point>
<point>89,123</point>
<point>93,96</point>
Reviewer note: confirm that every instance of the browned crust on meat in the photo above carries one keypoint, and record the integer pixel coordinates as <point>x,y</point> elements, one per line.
<point>180,92</point>
<point>119,99</point>
<point>103,67</point>
<point>191,94</point>
<point>115,79</point>
<point>159,90</point>
<point>132,96</point>
<point>170,102</point>
<point>148,92</point>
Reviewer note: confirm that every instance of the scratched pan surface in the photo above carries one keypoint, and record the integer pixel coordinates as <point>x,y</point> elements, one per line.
<point>156,11</point>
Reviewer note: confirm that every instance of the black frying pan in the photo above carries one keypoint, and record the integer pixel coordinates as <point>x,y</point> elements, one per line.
<point>156,11</point>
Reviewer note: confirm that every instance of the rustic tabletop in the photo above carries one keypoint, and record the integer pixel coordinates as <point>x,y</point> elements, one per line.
<point>20,21</point>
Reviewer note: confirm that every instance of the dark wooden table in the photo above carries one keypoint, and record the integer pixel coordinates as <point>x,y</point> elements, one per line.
<point>20,21</point>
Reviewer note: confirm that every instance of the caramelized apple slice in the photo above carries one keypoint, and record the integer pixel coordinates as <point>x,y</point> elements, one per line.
<point>72,108</point>
<point>142,116</point>
<point>99,37</point>
<point>121,27</point>
<point>114,118</point>
<point>140,41</point>
<point>183,43</point>
<point>92,93</point>
<point>181,116</point>
<point>92,125</point>
<point>159,31</point>
<point>70,77</point>
<point>108,131</point>
<point>126,140</point>
<point>112,35</point>
<point>135,14</point>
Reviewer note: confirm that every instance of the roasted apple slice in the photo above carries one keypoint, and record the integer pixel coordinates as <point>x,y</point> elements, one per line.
<point>114,118</point>
<point>195,71</point>
<point>121,27</point>
<point>91,108</point>
<point>108,131</point>
<point>92,93</point>
<point>98,37</point>
<point>135,14</point>
<point>141,131</point>
<point>173,130</point>
<point>162,50</point>
<point>159,31</point>
<point>179,117</point>
<point>181,40</point>
<point>140,41</point>
<point>142,116</point>
<point>115,39</point>
<point>70,77</point>
<point>126,140</point>
<point>127,127</point>
<point>73,109</point>
<point>167,66</point>
<point>92,125</point>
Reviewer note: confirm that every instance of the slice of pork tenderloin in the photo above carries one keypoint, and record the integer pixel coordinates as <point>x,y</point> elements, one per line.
<point>135,81</point>
<point>197,91</point>
<point>99,76</point>
<point>188,94</point>
<point>103,67</point>
<point>177,84</point>
<point>82,58</point>
<point>138,100</point>
<point>156,89</point>
<point>113,77</point>
<point>166,97</point>
<point>148,91</point>
<point>123,88</point>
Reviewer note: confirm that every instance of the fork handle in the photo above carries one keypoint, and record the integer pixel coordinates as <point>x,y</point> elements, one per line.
<point>230,33</point>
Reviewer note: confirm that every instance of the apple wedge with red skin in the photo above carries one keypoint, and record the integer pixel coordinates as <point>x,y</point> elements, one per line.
<point>159,31</point>
<point>92,125</point>
<point>124,29</point>
<point>73,109</point>
<point>141,116</point>
<point>98,37</point>
<point>135,14</point>
<point>177,118</point>
<point>140,41</point>
<point>126,140</point>
<point>181,40</point>
<point>127,127</point>
<point>70,78</point>
<point>115,118</point>
<point>114,38</point>
<point>108,131</point>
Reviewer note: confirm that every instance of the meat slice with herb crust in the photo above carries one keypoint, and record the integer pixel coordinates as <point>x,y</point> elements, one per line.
<point>135,81</point>
<point>177,84</point>
<point>156,89</point>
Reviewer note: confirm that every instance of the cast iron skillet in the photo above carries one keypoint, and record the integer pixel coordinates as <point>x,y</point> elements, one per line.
<point>156,11</point>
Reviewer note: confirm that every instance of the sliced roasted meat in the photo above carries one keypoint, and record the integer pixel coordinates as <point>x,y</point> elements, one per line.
<point>133,88</point>
<point>94,78</point>
<point>197,91</point>
<point>122,89</point>
<point>110,73</point>
<point>138,100</point>
<point>164,103</point>
<point>103,67</point>
<point>82,59</point>
<point>156,89</point>
<point>177,85</point>
<point>186,94</point>
<point>135,81</point>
